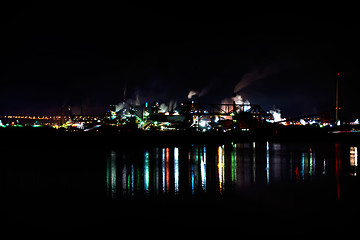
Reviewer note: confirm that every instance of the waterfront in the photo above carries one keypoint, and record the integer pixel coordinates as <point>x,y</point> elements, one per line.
<point>216,169</point>
<point>252,188</point>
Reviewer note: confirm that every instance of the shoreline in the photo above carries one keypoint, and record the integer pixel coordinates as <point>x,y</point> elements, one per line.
<point>113,137</point>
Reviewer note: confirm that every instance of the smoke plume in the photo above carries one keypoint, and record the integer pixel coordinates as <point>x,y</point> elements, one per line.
<point>238,99</point>
<point>192,93</point>
<point>257,73</point>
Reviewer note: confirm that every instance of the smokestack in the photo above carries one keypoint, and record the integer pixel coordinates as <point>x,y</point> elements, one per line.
<point>71,114</point>
<point>337,108</point>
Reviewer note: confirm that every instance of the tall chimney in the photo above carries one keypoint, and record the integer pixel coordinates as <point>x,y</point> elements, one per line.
<point>61,122</point>
<point>337,108</point>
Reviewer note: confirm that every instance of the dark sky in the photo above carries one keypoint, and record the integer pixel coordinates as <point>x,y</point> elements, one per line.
<point>91,54</point>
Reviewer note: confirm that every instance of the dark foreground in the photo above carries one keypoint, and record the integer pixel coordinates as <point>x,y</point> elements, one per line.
<point>301,210</point>
<point>58,188</point>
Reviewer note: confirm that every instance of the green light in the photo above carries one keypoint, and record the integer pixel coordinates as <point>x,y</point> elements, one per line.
<point>233,163</point>
<point>111,175</point>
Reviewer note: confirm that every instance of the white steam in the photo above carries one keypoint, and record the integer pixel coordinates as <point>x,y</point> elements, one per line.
<point>192,93</point>
<point>238,99</point>
<point>119,106</point>
<point>257,73</point>
<point>163,108</point>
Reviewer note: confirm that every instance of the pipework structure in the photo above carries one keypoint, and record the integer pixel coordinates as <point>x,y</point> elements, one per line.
<point>204,117</point>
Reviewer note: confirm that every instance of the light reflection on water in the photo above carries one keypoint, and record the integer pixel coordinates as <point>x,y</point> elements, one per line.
<point>192,182</point>
<point>219,169</point>
<point>353,160</point>
<point>111,174</point>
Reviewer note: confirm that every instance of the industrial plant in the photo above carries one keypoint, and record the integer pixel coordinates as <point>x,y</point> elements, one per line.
<point>233,115</point>
<point>191,115</point>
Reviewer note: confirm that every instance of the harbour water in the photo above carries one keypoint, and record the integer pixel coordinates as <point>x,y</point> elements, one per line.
<point>250,188</point>
<point>219,169</point>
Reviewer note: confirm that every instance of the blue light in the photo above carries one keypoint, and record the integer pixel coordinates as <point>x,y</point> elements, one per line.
<point>146,172</point>
<point>176,169</point>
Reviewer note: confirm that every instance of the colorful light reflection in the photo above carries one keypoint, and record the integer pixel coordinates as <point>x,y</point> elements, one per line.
<point>176,170</point>
<point>165,171</point>
<point>221,166</point>
<point>146,172</point>
<point>353,160</point>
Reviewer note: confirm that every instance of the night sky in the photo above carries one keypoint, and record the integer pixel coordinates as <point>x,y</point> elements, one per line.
<point>95,54</point>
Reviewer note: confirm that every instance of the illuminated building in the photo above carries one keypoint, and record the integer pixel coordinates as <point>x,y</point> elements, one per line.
<point>191,115</point>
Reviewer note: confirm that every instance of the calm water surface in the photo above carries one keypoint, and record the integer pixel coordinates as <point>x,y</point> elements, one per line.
<point>257,188</point>
<point>221,169</point>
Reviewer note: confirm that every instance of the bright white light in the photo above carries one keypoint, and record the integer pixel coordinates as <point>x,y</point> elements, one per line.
<point>247,105</point>
<point>202,123</point>
<point>79,125</point>
<point>356,122</point>
<point>276,115</point>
